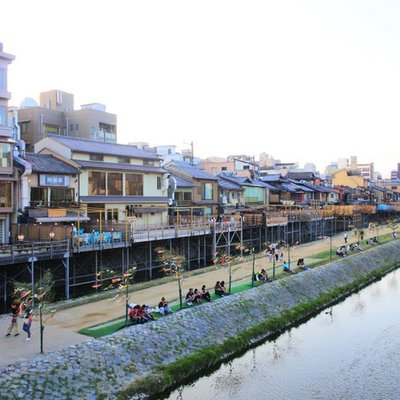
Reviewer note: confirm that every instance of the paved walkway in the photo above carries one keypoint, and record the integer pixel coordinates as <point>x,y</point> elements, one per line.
<point>61,330</point>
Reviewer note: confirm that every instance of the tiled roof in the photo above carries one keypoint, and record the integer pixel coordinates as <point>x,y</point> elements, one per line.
<point>271,178</point>
<point>228,185</point>
<point>301,175</point>
<point>322,189</point>
<point>190,170</point>
<point>119,167</point>
<point>264,184</point>
<point>94,146</point>
<point>182,182</point>
<point>46,163</point>
<point>124,199</point>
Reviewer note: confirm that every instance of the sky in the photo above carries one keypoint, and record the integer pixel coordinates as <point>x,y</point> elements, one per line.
<point>303,81</point>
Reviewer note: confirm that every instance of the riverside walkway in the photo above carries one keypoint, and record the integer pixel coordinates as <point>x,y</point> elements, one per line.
<point>61,330</point>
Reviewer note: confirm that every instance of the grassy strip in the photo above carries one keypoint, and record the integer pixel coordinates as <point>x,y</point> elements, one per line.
<point>166,377</point>
<point>110,327</point>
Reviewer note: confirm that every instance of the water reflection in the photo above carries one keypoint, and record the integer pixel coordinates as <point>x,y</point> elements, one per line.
<point>352,352</point>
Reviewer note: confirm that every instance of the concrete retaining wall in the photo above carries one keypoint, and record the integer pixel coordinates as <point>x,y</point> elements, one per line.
<point>99,368</point>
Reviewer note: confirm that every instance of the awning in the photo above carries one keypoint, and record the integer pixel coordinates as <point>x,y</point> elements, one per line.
<point>139,210</point>
<point>62,219</point>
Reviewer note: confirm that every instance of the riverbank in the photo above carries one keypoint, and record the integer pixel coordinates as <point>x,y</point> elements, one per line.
<point>160,354</point>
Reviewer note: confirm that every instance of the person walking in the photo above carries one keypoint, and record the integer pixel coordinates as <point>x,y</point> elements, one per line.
<point>26,327</point>
<point>14,320</point>
<point>345,237</point>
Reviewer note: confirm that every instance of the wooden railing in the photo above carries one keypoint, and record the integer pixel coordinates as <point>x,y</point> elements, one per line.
<point>28,251</point>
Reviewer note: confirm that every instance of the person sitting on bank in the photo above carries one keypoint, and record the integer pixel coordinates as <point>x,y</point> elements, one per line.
<point>191,297</point>
<point>147,315</point>
<point>394,235</point>
<point>220,288</point>
<point>341,251</point>
<point>204,294</point>
<point>163,307</point>
<point>223,288</point>
<point>263,276</point>
<point>300,264</point>
<point>286,268</point>
<point>375,240</point>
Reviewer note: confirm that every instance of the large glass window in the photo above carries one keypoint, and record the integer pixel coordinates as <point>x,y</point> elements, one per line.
<point>133,185</point>
<point>5,194</point>
<point>97,183</point>
<point>207,191</point>
<point>114,184</point>
<point>60,196</point>
<point>3,115</point>
<point>5,155</point>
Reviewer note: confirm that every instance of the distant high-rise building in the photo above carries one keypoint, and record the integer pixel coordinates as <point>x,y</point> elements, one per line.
<point>366,170</point>
<point>56,115</point>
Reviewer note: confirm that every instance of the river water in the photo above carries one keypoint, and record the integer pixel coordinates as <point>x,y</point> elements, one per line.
<point>351,353</point>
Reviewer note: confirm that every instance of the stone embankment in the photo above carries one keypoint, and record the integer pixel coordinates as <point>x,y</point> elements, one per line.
<point>108,368</point>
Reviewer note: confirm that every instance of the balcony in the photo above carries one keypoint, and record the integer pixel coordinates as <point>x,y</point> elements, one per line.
<point>104,136</point>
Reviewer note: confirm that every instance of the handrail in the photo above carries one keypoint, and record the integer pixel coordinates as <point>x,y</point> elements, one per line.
<point>25,250</point>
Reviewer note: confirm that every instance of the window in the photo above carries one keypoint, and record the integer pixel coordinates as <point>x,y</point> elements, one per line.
<point>246,166</point>
<point>60,196</point>
<point>23,126</point>
<point>71,127</point>
<point>97,183</point>
<point>5,194</point>
<point>158,182</point>
<point>148,162</point>
<point>187,196</point>
<point>39,196</point>
<point>77,127</point>
<point>124,160</point>
<point>114,184</point>
<point>5,155</point>
<point>223,168</point>
<point>3,78</point>
<point>51,129</point>
<point>207,191</point>
<point>3,115</point>
<point>133,185</point>
<point>96,157</point>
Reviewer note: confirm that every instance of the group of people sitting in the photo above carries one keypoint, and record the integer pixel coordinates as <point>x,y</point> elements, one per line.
<point>343,250</point>
<point>140,314</point>
<point>197,296</point>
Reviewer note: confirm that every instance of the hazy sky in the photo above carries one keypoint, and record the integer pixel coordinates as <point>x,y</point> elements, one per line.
<point>306,81</point>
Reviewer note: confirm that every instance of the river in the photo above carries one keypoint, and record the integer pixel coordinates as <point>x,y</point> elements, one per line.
<point>351,351</point>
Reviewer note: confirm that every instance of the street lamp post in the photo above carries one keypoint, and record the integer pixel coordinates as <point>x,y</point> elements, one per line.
<point>330,246</point>
<point>41,328</point>
<point>126,304</point>
<point>273,267</point>
<point>252,276</point>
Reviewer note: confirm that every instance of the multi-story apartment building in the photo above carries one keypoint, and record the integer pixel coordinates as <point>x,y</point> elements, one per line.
<point>7,177</point>
<point>56,116</point>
